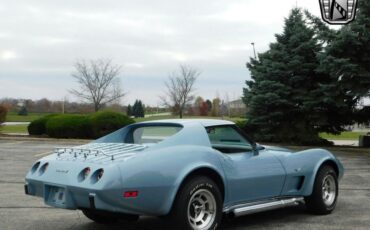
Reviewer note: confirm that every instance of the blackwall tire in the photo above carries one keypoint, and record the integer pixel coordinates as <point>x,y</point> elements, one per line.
<point>198,206</point>
<point>325,192</point>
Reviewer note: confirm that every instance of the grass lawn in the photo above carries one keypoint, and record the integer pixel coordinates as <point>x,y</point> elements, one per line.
<point>342,136</point>
<point>14,129</point>
<point>14,117</point>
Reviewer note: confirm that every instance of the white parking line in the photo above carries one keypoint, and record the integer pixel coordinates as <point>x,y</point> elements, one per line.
<point>13,143</point>
<point>43,154</point>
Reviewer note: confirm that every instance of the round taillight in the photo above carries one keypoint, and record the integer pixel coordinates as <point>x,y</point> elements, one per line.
<point>35,167</point>
<point>84,174</point>
<point>43,168</point>
<point>100,174</point>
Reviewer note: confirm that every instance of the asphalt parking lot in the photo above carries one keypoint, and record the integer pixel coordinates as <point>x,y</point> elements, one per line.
<point>18,211</point>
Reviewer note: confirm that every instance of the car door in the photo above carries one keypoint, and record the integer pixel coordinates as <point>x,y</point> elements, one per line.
<point>250,175</point>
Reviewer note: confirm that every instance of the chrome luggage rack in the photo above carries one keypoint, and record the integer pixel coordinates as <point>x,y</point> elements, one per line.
<point>99,149</point>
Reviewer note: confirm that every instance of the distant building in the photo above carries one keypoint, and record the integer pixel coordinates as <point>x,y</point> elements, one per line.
<point>21,103</point>
<point>237,104</point>
<point>237,108</point>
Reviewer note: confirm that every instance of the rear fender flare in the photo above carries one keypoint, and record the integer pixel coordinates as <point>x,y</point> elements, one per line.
<point>185,175</point>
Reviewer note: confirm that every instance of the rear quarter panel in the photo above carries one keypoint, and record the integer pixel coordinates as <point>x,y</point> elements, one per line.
<point>158,174</point>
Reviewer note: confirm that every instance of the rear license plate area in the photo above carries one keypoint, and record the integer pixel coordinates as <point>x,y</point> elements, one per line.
<point>56,196</point>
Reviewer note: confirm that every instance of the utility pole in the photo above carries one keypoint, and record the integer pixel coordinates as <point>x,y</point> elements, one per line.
<point>63,105</point>
<point>254,51</point>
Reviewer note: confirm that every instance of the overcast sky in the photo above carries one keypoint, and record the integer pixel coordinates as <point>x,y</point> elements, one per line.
<point>41,39</point>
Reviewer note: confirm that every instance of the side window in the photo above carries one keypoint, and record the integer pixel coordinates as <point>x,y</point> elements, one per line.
<point>227,139</point>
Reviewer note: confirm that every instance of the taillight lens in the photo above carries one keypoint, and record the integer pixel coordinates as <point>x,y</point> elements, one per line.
<point>43,168</point>
<point>99,174</point>
<point>35,167</point>
<point>84,174</point>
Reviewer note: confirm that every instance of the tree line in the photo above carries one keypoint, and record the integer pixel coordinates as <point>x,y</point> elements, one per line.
<point>44,105</point>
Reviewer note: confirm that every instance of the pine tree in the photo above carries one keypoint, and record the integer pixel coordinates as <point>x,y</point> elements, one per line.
<point>282,97</point>
<point>138,109</point>
<point>129,110</point>
<point>141,111</point>
<point>347,61</point>
<point>135,108</point>
<point>23,111</point>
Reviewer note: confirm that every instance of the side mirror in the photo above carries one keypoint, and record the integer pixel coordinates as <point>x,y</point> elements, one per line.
<point>257,148</point>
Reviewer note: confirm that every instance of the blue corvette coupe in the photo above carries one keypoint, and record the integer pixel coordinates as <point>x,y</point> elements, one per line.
<point>191,171</point>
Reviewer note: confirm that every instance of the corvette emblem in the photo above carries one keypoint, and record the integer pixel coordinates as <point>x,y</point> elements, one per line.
<point>338,12</point>
<point>62,171</point>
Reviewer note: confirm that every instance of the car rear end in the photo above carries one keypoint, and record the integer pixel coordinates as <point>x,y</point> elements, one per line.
<point>81,178</point>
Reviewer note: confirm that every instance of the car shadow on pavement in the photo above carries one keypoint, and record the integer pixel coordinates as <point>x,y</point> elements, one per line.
<point>144,223</point>
<point>270,220</point>
<point>275,219</point>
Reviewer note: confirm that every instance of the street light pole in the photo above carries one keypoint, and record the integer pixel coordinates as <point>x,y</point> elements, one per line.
<point>254,51</point>
<point>63,107</point>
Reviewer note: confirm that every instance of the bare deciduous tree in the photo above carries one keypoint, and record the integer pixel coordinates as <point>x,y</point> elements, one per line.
<point>99,82</point>
<point>179,88</point>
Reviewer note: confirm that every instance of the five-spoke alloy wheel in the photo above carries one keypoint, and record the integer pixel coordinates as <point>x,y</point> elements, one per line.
<point>325,191</point>
<point>329,190</point>
<point>202,209</point>
<point>198,205</point>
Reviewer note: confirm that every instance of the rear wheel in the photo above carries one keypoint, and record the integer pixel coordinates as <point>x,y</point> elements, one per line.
<point>198,206</point>
<point>325,192</point>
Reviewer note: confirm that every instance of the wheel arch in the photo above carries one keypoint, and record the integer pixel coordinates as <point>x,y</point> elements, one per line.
<point>326,162</point>
<point>207,171</point>
<point>332,163</point>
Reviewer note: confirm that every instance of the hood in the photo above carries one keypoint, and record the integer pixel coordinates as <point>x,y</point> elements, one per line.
<point>99,152</point>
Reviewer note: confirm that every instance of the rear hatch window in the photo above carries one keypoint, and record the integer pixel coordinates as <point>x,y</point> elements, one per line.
<point>153,134</point>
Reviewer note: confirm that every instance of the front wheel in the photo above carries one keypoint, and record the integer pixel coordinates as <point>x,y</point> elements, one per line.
<point>325,192</point>
<point>198,206</point>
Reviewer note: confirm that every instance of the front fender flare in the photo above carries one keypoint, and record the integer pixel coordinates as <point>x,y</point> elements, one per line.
<point>311,180</point>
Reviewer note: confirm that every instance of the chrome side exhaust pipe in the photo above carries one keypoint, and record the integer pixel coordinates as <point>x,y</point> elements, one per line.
<point>266,206</point>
